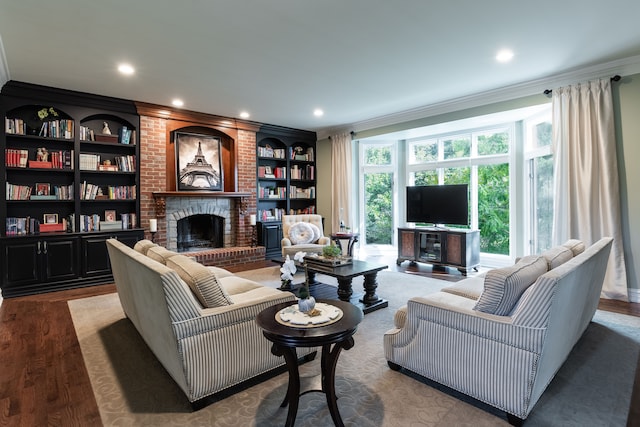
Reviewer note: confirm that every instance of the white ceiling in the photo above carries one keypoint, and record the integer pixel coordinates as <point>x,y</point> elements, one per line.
<point>358,60</point>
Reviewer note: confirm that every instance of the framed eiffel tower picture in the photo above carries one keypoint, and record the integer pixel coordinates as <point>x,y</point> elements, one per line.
<point>198,162</point>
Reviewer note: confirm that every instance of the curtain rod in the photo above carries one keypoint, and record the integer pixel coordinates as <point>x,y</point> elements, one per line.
<point>352,134</point>
<point>615,78</point>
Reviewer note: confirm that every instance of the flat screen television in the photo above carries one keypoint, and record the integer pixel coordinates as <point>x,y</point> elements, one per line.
<point>438,204</point>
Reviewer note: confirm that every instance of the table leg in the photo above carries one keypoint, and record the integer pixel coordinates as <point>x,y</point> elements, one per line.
<point>370,285</point>
<point>344,289</point>
<point>352,241</point>
<point>293,388</point>
<point>310,276</point>
<point>338,243</point>
<point>329,363</point>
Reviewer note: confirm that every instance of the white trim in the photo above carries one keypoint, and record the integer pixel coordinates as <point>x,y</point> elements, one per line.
<point>634,294</point>
<point>623,67</point>
<point>4,66</point>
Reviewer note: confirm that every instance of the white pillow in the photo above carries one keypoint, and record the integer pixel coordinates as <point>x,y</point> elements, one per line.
<point>316,232</point>
<point>301,233</point>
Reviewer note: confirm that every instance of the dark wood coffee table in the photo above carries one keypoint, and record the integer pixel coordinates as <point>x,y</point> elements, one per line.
<point>345,274</point>
<point>333,338</point>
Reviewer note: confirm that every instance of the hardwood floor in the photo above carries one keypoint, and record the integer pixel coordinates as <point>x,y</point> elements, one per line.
<point>43,380</point>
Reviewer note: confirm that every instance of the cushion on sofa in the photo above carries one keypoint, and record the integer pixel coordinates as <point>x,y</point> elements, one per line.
<point>504,286</point>
<point>219,272</point>
<point>557,256</point>
<point>301,233</point>
<point>576,246</point>
<point>160,254</point>
<point>316,232</point>
<point>143,246</point>
<point>470,287</point>
<point>201,280</point>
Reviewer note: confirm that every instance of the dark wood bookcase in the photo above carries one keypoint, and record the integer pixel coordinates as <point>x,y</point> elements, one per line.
<point>52,210</point>
<point>286,183</point>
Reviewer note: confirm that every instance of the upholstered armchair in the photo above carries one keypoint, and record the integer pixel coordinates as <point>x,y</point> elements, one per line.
<point>303,233</point>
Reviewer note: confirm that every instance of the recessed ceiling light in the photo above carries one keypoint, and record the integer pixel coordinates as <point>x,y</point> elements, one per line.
<point>177,102</point>
<point>504,55</point>
<point>244,115</point>
<point>126,69</point>
<point>318,112</point>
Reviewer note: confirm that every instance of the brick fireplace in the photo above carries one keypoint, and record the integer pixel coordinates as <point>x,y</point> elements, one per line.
<point>158,197</point>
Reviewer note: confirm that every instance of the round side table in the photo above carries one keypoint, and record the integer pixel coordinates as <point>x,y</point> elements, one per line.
<point>333,338</point>
<point>351,237</point>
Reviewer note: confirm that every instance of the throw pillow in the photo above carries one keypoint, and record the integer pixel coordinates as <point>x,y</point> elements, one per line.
<point>202,281</point>
<point>316,232</point>
<point>160,254</point>
<point>576,246</point>
<point>143,246</point>
<point>557,256</point>
<point>504,286</point>
<point>301,233</point>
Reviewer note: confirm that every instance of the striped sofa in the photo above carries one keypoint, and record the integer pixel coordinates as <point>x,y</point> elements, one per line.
<point>506,360</point>
<point>204,350</point>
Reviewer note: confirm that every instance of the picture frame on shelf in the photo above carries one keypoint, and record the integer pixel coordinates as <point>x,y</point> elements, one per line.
<point>50,218</point>
<point>110,215</point>
<point>198,162</point>
<point>43,188</point>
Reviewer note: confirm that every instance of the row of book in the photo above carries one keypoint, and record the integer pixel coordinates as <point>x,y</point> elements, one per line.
<point>272,192</point>
<point>59,159</point>
<point>306,172</point>
<point>57,129</point>
<point>90,191</point>
<point>93,222</point>
<point>302,193</point>
<point>18,226</point>
<point>18,192</point>
<point>269,172</point>
<point>271,214</point>
<point>92,162</point>
<point>299,153</point>
<point>272,153</point>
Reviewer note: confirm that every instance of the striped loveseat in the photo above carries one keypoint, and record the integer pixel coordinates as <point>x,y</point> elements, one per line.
<point>454,337</point>
<point>204,350</point>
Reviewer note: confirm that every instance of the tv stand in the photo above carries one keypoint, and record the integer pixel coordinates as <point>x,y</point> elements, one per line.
<point>457,248</point>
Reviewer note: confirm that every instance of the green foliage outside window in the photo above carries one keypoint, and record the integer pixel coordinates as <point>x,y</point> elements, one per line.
<point>379,211</point>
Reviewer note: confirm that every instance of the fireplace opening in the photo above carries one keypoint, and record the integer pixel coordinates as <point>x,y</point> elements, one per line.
<point>199,232</point>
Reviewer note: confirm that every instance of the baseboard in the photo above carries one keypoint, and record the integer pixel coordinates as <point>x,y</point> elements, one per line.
<point>634,294</point>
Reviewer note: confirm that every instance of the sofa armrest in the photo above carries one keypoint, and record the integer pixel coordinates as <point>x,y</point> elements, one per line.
<point>226,316</point>
<point>285,241</point>
<point>456,312</point>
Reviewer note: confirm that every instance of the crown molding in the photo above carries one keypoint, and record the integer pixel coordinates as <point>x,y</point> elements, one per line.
<point>4,67</point>
<point>626,66</point>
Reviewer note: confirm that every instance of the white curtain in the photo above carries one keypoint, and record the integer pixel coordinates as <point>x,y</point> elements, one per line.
<point>587,201</point>
<point>341,208</point>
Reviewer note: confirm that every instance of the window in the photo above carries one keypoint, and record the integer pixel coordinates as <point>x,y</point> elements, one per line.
<point>377,181</point>
<point>479,158</point>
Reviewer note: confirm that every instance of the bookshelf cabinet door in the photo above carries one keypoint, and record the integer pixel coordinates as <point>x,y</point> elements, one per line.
<point>20,263</point>
<point>60,259</point>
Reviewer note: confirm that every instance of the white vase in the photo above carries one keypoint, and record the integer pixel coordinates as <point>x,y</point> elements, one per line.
<point>305,305</point>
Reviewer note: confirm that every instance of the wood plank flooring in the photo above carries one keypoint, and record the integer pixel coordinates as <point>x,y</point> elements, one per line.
<point>43,379</point>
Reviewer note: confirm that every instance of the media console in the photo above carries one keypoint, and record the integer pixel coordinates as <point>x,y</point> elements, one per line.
<point>457,248</point>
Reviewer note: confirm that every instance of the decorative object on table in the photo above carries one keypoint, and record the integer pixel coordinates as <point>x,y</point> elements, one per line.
<point>331,251</point>
<point>322,314</point>
<point>288,269</point>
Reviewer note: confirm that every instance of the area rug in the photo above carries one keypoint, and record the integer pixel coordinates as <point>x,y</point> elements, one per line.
<point>132,389</point>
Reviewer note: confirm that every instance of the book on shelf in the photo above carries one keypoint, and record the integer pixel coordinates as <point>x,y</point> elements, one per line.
<point>15,126</point>
<point>16,158</point>
<point>16,226</point>
<point>89,162</point>
<point>17,192</point>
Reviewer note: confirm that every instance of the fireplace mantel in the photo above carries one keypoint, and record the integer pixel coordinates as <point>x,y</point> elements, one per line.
<point>161,197</point>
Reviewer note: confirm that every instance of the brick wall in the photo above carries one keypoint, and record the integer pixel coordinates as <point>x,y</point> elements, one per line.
<point>153,159</point>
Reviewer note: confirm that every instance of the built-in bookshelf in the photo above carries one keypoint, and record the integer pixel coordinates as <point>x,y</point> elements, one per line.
<point>286,181</point>
<point>70,163</point>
